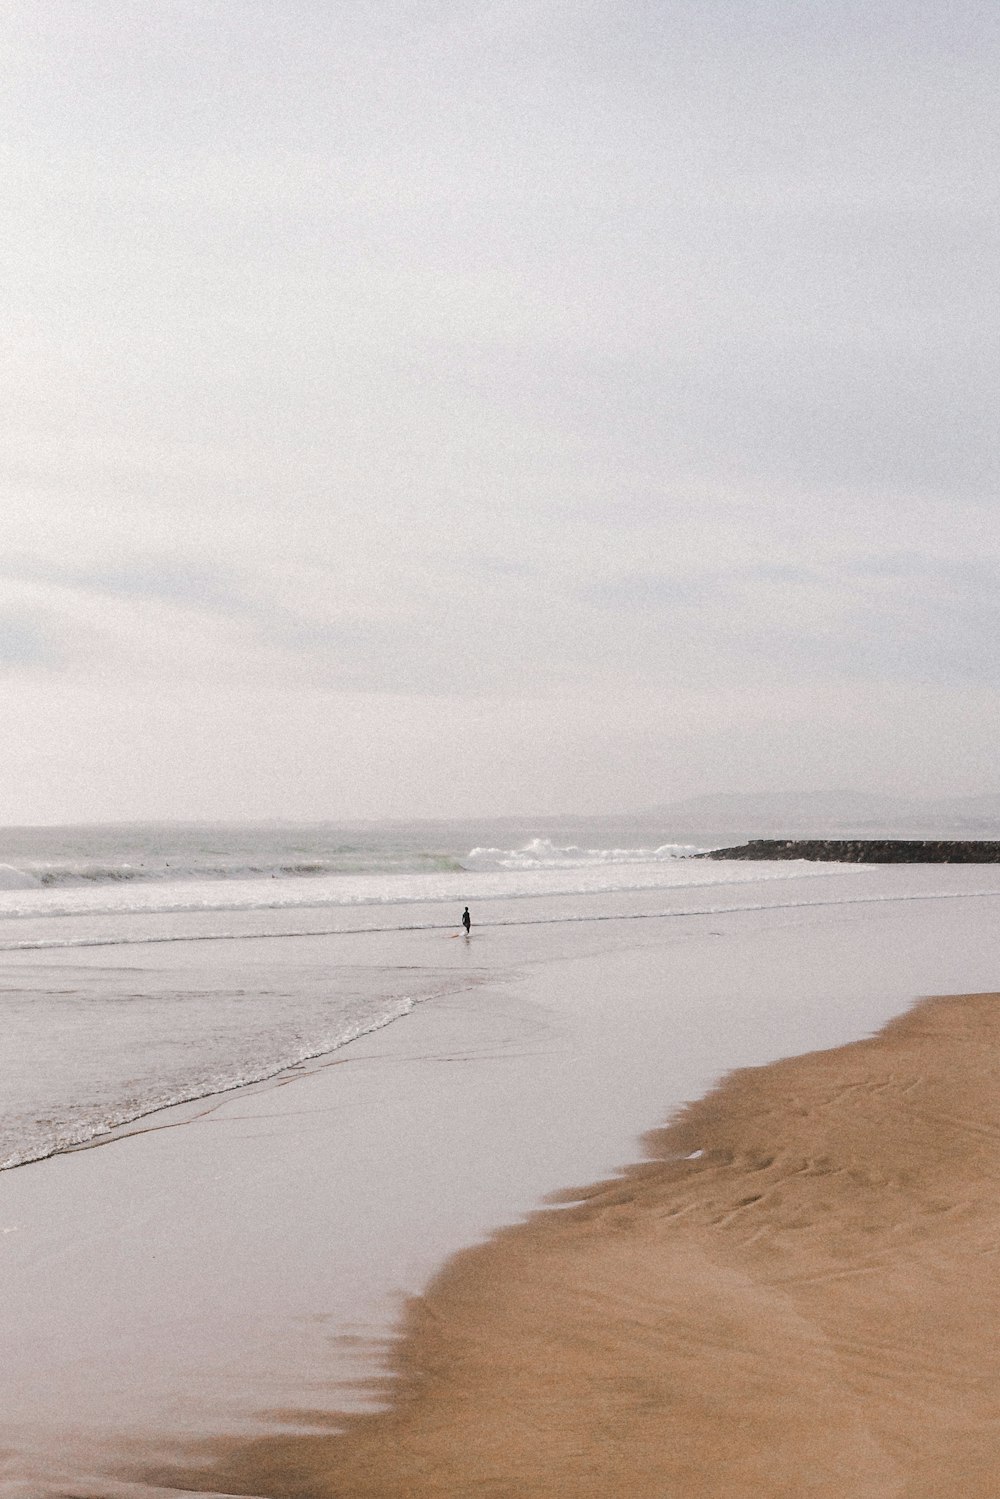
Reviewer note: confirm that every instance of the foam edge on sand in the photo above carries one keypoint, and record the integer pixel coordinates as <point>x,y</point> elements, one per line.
<point>796,1292</point>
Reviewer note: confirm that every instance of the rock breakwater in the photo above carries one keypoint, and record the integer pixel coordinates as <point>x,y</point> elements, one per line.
<point>864,850</point>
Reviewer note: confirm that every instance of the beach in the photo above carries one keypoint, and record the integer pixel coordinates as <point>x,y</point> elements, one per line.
<point>500,818</point>
<point>797,1293</point>
<point>382,1270</point>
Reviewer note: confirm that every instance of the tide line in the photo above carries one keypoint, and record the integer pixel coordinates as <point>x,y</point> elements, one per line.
<point>46,944</point>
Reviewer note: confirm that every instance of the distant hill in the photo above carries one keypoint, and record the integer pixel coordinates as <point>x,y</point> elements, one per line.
<point>826,814</point>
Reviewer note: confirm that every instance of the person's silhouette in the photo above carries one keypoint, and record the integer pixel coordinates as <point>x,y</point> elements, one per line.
<point>466,920</point>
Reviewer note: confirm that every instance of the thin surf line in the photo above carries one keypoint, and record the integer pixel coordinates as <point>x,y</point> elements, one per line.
<point>106,1134</point>
<point>448,926</point>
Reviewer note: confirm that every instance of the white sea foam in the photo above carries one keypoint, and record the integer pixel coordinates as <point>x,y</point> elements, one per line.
<point>74,872</point>
<point>488,882</point>
<point>139,854</point>
<point>542,853</point>
<point>80,1123</point>
<point>96,1040</point>
<point>537,853</point>
<point>581,1037</point>
<point>131,938</point>
<point>127,990</point>
<point>94,1068</point>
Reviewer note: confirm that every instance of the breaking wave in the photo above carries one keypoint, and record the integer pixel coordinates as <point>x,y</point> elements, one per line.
<point>542,853</point>
<point>536,854</point>
<point>41,876</point>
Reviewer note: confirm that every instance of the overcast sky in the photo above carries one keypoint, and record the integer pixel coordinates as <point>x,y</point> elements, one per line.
<point>423,408</point>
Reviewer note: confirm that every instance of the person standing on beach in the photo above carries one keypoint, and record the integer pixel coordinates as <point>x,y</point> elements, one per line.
<point>466,920</point>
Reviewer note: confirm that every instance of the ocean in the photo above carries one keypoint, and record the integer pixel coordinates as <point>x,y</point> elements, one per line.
<point>146,965</point>
<point>360,1090</point>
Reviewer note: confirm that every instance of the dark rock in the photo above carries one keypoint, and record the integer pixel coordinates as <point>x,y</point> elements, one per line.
<point>864,850</point>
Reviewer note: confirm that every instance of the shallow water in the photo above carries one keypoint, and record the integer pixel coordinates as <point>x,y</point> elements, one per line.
<point>236,1263</point>
<point>146,966</point>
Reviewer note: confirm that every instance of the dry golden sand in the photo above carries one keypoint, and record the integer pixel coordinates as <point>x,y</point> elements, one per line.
<point>811,1305</point>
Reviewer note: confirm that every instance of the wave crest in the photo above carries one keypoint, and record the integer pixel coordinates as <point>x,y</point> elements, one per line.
<point>363,862</point>
<point>542,853</point>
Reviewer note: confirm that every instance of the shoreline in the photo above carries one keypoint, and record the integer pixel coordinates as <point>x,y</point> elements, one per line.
<point>240,1269</point>
<point>795,1289</point>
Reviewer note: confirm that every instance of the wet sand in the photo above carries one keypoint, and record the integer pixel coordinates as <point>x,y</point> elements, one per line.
<point>796,1293</point>
<point>194,1304</point>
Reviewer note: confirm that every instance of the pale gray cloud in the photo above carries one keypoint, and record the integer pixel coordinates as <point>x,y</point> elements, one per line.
<point>28,642</point>
<point>579,380</point>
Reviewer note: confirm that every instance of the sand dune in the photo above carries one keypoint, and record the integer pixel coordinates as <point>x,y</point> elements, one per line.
<point>796,1294</point>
